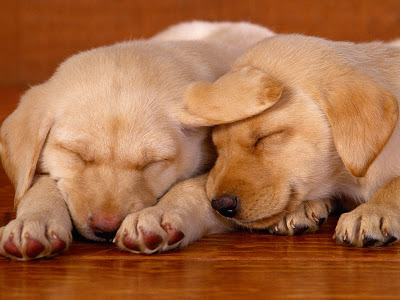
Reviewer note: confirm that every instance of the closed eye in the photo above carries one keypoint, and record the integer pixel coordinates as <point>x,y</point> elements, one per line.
<point>154,163</point>
<point>271,137</point>
<point>77,154</point>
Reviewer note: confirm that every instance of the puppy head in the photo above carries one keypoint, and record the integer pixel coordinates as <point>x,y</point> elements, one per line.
<point>101,127</point>
<point>271,162</point>
<point>320,130</point>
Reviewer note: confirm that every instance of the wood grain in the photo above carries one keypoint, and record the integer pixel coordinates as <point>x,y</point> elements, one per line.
<point>39,35</point>
<point>240,265</point>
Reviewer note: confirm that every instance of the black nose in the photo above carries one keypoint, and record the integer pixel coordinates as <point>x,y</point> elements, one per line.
<point>225,205</point>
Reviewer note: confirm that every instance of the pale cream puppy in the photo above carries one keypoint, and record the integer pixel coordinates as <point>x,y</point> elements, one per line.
<point>302,121</point>
<point>103,138</point>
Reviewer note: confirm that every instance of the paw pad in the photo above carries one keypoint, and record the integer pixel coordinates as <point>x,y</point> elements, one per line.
<point>389,239</point>
<point>130,244</point>
<point>58,245</point>
<point>151,240</point>
<point>299,228</point>
<point>174,236</point>
<point>12,249</point>
<point>33,247</point>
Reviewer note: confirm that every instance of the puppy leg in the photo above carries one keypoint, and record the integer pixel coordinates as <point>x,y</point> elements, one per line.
<point>181,217</point>
<point>42,227</point>
<point>375,223</point>
<point>309,216</point>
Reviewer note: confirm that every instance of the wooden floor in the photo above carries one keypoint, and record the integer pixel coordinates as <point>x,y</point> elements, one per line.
<point>230,266</point>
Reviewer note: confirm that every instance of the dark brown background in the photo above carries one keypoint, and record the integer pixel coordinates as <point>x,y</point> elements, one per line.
<point>37,35</point>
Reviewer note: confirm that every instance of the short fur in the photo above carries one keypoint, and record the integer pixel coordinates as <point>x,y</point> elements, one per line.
<point>333,132</point>
<point>103,137</point>
<point>303,121</point>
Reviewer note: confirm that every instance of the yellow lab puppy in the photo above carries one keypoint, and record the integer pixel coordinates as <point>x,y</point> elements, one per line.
<point>303,121</point>
<point>103,138</point>
<point>315,119</point>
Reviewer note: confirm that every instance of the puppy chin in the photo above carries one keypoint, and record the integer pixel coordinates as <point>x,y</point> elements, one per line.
<point>262,223</point>
<point>266,221</point>
<point>87,233</point>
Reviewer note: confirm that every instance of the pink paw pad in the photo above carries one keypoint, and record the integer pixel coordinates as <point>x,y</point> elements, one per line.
<point>11,248</point>
<point>129,243</point>
<point>57,244</point>
<point>174,235</point>
<point>33,247</point>
<point>151,240</point>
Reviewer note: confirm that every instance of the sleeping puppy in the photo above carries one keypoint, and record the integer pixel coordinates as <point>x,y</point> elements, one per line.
<point>103,138</point>
<point>302,121</point>
<point>313,120</point>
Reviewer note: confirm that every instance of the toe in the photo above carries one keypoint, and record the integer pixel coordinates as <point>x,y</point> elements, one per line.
<point>174,236</point>
<point>299,229</point>
<point>278,230</point>
<point>389,239</point>
<point>369,241</point>
<point>151,239</point>
<point>33,247</point>
<point>11,248</point>
<point>130,243</point>
<point>318,220</point>
<point>345,239</point>
<point>58,245</point>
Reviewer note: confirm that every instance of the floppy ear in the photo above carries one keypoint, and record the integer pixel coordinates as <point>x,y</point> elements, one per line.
<point>235,96</point>
<point>362,114</point>
<point>22,136</point>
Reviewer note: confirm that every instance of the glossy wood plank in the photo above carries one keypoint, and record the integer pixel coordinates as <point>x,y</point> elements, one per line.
<point>240,265</point>
<point>200,279</point>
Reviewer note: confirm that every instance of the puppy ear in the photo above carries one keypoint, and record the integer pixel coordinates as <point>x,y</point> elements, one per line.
<point>234,96</point>
<point>22,136</point>
<point>363,115</point>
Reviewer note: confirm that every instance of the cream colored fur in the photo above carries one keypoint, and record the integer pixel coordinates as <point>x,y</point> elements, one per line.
<point>305,124</point>
<point>103,138</point>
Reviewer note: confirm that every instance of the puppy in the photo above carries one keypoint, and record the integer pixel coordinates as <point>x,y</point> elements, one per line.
<point>315,119</point>
<point>103,138</point>
<point>302,121</point>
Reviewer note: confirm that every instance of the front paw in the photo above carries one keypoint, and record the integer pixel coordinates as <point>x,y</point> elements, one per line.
<point>151,230</point>
<point>307,218</point>
<point>368,225</point>
<point>33,238</point>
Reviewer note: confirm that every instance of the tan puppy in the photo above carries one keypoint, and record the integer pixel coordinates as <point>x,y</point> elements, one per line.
<point>325,125</point>
<point>103,138</point>
<point>310,121</point>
